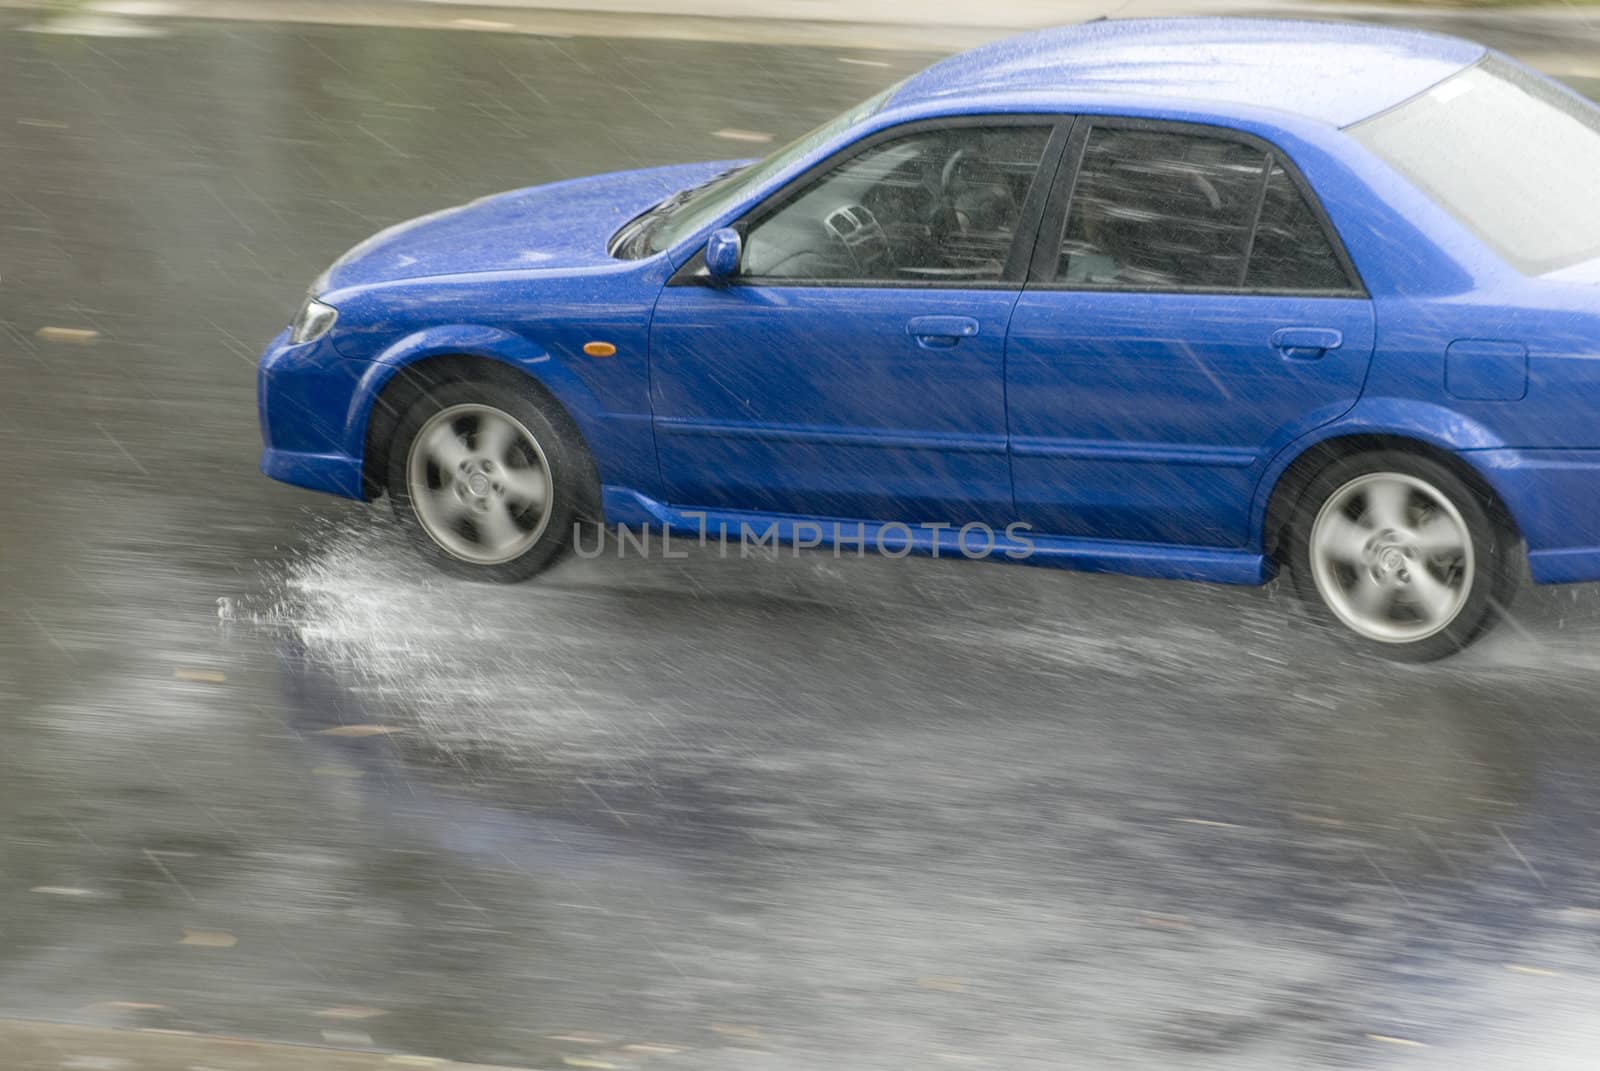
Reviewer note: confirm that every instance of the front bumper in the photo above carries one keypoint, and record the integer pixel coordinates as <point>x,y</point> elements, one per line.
<point>1554,497</point>
<point>336,474</point>
<point>303,398</point>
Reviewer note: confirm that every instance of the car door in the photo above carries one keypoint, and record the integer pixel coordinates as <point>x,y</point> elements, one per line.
<point>854,366</point>
<point>1189,310</point>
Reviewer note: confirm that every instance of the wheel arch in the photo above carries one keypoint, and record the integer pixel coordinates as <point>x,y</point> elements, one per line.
<point>398,384</point>
<point>1295,474</point>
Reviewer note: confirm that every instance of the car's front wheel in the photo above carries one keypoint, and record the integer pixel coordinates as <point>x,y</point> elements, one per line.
<point>1402,553</point>
<point>484,481</point>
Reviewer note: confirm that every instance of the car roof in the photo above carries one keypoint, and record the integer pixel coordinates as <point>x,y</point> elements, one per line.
<point>1332,72</point>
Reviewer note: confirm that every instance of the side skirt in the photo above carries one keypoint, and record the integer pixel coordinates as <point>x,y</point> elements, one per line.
<point>747,532</point>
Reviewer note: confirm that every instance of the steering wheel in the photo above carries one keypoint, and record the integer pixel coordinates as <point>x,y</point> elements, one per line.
<point>858,231</point>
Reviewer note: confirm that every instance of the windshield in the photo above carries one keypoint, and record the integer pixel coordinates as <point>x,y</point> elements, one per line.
<point>687,211</point>
<point>1515,159</point>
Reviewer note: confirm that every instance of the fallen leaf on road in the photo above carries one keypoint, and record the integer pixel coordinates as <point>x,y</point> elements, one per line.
<point>78,335</point>
<point>736,1031</point>
<point>742,135</point>
<point>348,1038</point>
<point>62,890</point>
<point>336,771</point>
<point>200,676</point>
<point>350,1013</point>
<point>940,982</point>
<point>1167,922</point>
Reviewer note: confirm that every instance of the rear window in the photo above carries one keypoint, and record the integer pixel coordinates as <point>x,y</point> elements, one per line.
<point>1513,157</point>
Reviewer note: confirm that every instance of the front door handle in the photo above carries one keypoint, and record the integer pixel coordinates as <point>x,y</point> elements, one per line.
<point>941,332</point>
<point>1306,343</point>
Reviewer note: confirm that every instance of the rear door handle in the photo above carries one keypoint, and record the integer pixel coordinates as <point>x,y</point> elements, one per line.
<point>938,332</point>
<point>1306,343</point>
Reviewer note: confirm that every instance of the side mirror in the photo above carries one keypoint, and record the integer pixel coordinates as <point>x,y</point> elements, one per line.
<point>722,253</point>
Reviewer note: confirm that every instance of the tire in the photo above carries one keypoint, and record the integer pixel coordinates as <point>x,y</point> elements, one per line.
<point>1400,553</point>
<point>484,481</point>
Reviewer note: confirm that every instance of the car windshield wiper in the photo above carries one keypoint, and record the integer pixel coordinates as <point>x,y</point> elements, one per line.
<point>632,241</point>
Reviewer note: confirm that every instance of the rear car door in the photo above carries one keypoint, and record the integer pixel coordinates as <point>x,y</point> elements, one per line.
<point>1189,311</point>
<point>854,367</point>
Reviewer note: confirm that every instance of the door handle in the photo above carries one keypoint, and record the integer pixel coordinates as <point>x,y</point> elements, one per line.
<point>1306,343</point>
<point>940,332</point>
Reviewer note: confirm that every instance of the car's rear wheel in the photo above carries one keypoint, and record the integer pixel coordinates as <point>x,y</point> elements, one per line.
<point>483,481</point>
<point>1403,554</point>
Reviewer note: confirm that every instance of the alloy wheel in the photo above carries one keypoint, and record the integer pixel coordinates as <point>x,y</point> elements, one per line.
<point>479,483</point>
<point>1392,557</point>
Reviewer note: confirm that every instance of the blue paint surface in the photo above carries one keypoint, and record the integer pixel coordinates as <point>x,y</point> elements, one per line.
<point>1140,432</point>
<point>1486,371</point>
<point>1335,72</point>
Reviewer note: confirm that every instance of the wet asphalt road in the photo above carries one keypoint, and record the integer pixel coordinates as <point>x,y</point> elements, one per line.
<point>713,814</point>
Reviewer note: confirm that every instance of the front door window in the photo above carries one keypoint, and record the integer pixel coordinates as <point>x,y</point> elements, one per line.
<point>938,205</point>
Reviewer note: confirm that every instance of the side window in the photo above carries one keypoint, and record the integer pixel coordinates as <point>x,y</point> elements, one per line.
<point>1159,210</point>
<point>1155,210</point>
<point>1291,250</point>
<point>933,206</point>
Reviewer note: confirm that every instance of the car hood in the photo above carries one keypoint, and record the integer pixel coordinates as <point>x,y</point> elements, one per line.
<point>562,225</point>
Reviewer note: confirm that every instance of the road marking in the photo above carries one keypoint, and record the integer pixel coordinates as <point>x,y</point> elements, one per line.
<point>862,62</point>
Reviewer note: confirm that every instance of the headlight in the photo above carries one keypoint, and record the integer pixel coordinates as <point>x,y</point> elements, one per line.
<point>312,321</point>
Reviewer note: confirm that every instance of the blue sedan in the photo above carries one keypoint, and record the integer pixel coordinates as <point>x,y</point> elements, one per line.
<point>1194,298</point>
